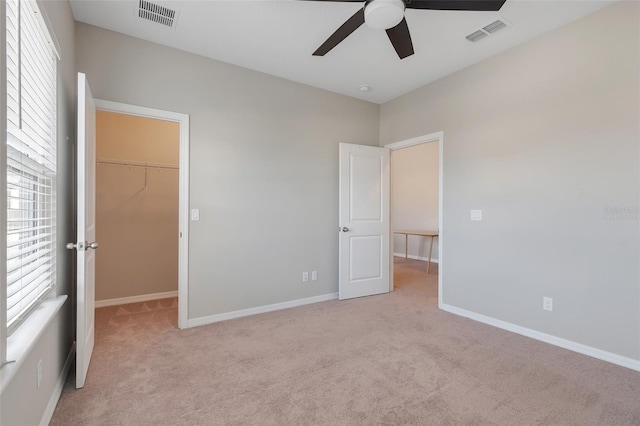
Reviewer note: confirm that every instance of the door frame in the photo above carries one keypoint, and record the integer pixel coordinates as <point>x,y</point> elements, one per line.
<point>183,194</point>
<point>430,138</point>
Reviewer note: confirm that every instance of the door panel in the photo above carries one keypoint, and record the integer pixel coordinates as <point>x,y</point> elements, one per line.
<point>366,253</point>
<point>364,221</point>
<point>366,196</point>
<point>86,216</point>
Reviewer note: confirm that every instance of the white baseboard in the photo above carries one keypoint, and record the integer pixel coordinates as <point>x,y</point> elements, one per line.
<point>260,310</point>
<point>57,390</point>
<point>547,338</point>
<point>411,256</point>
<point>135,299</point>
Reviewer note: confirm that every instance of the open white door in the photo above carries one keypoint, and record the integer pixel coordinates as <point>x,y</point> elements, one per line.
<point>364,221</point>
<point>85,245</point>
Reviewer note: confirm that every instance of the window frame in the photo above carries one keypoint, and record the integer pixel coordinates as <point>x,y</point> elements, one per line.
<point>19,343</point>
<point>3,188</point>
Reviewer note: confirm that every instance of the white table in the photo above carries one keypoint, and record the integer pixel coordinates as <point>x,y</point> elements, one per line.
<point>407,232</point>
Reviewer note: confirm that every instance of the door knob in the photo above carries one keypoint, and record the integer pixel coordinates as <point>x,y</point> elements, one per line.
<point>80,246</point>
<point>345,229</point>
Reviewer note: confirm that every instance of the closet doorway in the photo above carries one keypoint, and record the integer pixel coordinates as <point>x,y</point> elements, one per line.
<point>140,206</point>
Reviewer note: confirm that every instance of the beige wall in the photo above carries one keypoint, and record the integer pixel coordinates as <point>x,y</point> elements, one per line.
<point>263,166</point>
<point>414,189</point>
<point>543,138</point>
<point>137,226</point>
<point>22,403</point>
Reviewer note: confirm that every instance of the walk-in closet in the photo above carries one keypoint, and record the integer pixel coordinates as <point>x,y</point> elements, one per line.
<point>136,208</point>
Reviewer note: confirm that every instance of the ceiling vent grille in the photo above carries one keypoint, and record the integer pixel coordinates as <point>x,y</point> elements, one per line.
<point>156,13</point>
<point>487,30</point>
<point>495,26</point>
<point>478,35</point>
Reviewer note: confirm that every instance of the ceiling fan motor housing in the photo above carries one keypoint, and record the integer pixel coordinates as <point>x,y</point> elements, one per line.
<point>383,14</point>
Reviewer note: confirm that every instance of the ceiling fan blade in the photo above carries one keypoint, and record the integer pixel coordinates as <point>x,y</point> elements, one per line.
<point>341,33</point>
<point>401,39</point>
<point>473,5</point>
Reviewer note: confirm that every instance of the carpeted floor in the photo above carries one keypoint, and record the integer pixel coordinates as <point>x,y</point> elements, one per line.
<point>392,359</point>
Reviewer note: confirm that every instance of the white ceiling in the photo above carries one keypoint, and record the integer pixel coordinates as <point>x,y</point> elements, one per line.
<point>278,37</point>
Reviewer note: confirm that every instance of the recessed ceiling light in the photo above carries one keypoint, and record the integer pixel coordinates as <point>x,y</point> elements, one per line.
<point>365,88</point>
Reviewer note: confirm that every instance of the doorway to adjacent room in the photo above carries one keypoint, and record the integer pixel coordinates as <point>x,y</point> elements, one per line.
<point>416,211</point>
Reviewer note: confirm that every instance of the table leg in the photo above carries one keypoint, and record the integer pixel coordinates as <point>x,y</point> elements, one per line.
<point>429,259</point>
<point>406,246</point>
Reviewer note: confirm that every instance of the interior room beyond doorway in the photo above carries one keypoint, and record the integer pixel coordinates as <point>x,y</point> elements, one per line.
<point>137,204</point>
<point>415,212</point>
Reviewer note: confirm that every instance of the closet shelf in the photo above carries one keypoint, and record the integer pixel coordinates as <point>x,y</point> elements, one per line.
<point>114,162</point>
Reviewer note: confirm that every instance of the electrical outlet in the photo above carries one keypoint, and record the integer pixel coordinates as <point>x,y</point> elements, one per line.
<point>305,277</point>
<point>39,373</point>
<point>314,275</point>
<point>476,214</point>
<point>547,304</point>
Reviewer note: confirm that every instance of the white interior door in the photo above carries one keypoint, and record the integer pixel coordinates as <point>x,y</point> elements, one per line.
<point>364,221</point>
<point>85,245</point>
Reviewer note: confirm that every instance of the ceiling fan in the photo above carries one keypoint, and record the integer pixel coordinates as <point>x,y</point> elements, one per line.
<point>389,15</point>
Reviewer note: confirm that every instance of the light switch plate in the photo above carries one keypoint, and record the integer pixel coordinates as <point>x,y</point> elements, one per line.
<point>476,214</point>
<point>195,214</point>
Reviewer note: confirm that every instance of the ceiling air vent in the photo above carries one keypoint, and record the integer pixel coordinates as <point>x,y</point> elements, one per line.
<point>476,36</point>
<point>487,30</point>
<point>156,13</point>
<point>494,26</point>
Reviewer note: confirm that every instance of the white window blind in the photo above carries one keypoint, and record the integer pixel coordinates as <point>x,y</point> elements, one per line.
<point>31,160</point>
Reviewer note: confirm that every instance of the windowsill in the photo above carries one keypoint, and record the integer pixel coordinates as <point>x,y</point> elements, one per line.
<point>22,341</point>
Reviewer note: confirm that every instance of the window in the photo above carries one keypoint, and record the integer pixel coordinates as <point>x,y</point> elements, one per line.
<point>30,160</point>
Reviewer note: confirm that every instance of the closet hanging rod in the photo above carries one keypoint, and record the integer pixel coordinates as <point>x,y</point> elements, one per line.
<point>136,164</point>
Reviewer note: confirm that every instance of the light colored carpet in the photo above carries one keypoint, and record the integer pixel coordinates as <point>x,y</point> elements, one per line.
<point>392,359</point>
